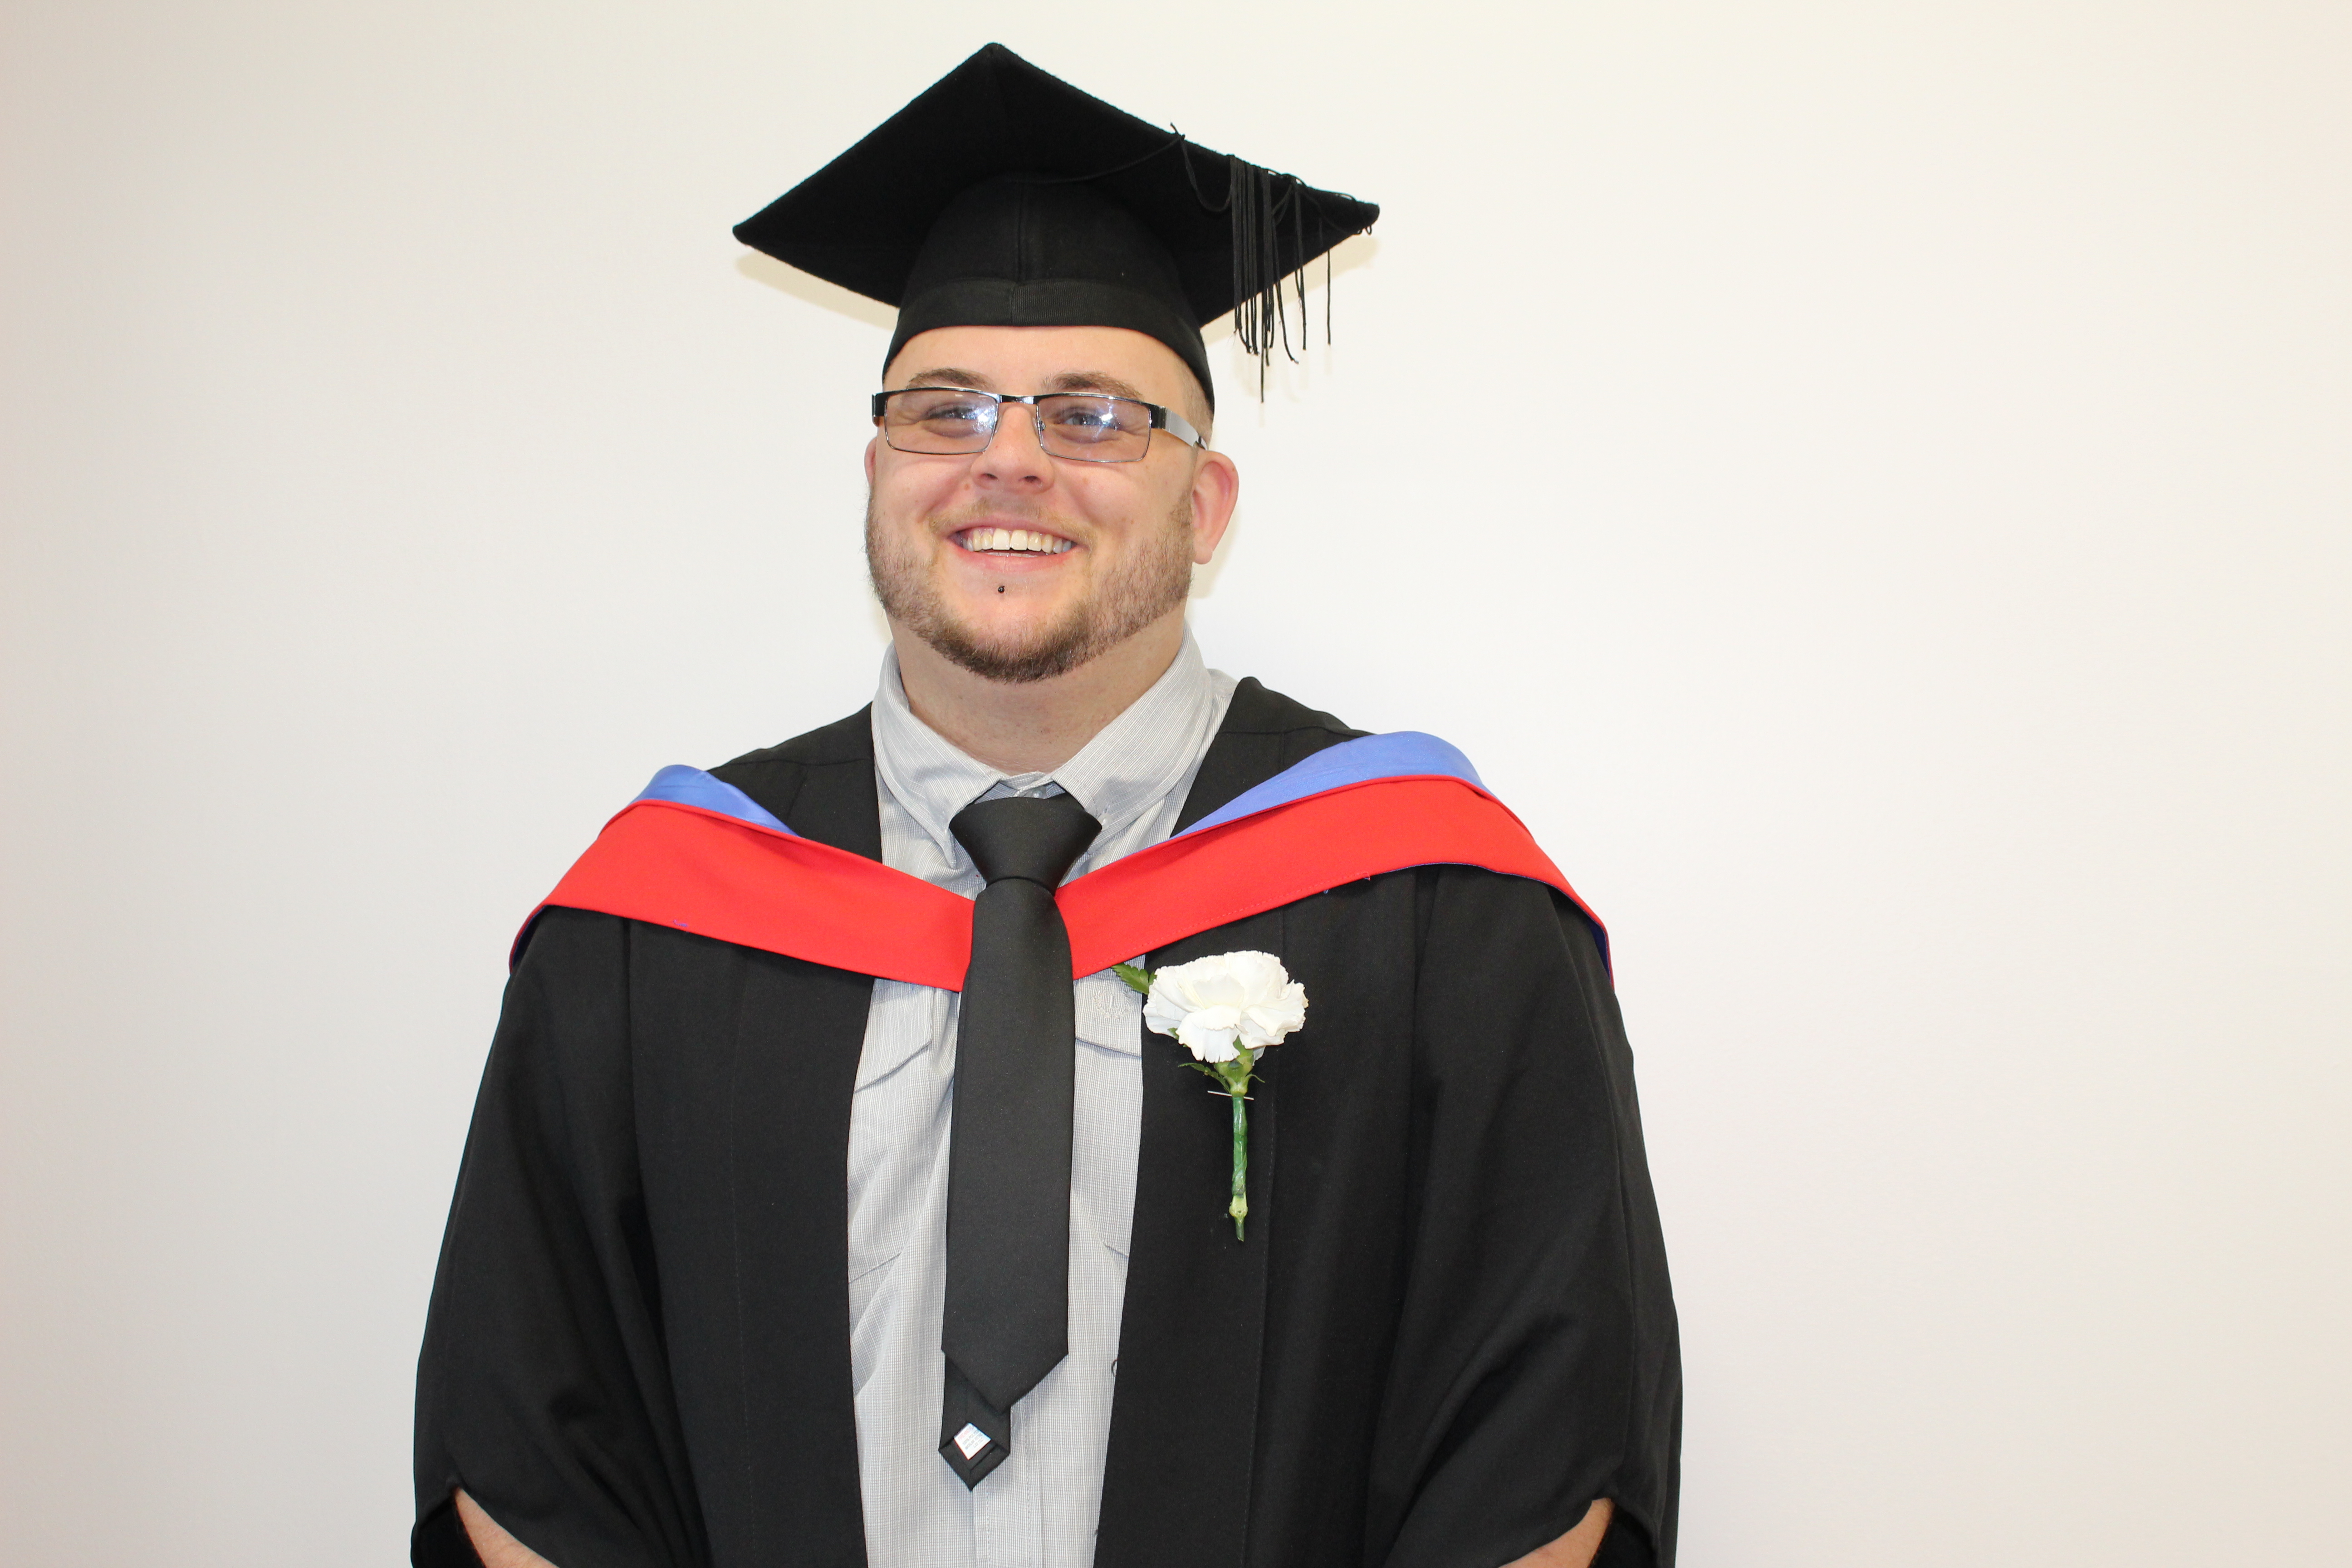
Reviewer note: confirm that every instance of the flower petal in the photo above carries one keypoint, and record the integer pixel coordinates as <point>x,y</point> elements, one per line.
<point>1209,1034</point>
<point>1210,1003</point>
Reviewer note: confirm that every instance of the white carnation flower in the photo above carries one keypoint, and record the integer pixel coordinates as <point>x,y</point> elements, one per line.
<point>1214,1005</point>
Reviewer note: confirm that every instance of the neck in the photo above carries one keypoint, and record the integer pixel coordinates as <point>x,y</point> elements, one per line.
<point>1033,726</point>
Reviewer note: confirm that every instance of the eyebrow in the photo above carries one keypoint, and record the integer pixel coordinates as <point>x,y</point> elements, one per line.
<point>1092,381</point>
<point>1068,381</point>
<point>948,375</point>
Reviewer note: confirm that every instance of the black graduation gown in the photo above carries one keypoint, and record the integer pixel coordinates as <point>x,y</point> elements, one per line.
<point>1448,1332</point>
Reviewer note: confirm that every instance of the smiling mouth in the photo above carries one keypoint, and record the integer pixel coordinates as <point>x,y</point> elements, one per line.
<point>1010,542</point>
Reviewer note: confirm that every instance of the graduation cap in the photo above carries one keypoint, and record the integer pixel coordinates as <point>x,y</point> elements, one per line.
<point>1005,197</point>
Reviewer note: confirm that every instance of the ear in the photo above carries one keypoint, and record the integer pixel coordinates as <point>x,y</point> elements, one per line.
<point>872,449</point>
<point>1216,487</point>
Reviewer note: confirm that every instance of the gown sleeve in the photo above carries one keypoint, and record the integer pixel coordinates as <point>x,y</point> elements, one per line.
<point>543,1388</point>
<point>1536,1366</point>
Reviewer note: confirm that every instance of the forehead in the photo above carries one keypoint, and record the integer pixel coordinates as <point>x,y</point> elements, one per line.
<point>1043,359</point>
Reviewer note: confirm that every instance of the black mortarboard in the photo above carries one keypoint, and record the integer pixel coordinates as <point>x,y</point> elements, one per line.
<point>1005,197</point>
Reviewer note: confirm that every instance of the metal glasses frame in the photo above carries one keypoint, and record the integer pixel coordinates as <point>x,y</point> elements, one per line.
<point>1166,419</point>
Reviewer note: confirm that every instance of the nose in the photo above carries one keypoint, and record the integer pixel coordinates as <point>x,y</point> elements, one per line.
<point>1014,457</point>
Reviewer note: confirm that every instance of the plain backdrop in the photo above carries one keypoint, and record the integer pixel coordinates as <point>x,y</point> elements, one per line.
<point>1868,483</point>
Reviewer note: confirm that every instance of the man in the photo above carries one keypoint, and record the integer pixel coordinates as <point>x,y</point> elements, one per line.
<point>813,1215</point>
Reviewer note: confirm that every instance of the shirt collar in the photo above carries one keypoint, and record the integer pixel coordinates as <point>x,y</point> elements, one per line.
<point>1126,770</point>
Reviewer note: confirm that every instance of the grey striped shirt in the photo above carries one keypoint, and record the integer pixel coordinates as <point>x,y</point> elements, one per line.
<point>1036,1510</point>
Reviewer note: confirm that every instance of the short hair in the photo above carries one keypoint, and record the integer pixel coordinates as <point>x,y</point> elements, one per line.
<point>1197,406</point>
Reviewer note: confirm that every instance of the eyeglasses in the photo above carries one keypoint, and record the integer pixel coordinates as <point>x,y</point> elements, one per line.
<point>1082,426</point>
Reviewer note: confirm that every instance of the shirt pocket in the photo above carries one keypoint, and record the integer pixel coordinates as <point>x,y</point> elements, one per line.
<point>1108,1128</point>
<point>865,1288</point>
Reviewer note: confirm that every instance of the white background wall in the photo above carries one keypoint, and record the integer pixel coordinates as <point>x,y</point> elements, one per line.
<point>1917,620</point>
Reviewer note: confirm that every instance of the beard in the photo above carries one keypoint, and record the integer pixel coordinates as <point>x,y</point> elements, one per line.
<point>1153,580</point>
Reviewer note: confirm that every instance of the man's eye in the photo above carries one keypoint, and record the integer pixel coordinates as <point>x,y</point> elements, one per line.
<point>1085,418</point>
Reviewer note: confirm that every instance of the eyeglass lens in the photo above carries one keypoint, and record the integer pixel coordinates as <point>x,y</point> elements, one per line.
<point>1077,425</point>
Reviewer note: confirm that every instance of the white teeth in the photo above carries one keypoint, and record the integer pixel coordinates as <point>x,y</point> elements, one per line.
<point>1016,539</point>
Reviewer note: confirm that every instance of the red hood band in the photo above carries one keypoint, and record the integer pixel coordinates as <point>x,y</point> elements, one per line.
<point>703,871</point>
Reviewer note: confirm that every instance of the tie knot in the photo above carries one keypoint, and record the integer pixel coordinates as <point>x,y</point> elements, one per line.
<point>1035,838</point>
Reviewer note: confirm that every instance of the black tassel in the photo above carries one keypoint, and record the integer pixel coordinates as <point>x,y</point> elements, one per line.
<point>1271,214</point>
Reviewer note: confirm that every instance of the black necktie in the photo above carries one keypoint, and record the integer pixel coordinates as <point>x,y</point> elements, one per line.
<point>1008,1295</point>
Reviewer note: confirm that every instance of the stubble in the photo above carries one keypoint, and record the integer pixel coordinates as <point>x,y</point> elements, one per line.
<point>1152,582</point>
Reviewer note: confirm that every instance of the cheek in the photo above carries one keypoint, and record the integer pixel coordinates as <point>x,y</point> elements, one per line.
<point>1120,509</point>
<point>905,493</point>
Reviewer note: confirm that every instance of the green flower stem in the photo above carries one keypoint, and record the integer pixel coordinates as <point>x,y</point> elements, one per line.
<point>1239,1208</point>
<point>1235,1076</point>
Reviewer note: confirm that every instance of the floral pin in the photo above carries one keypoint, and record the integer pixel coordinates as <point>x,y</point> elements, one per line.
<point>1225,1009</point>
